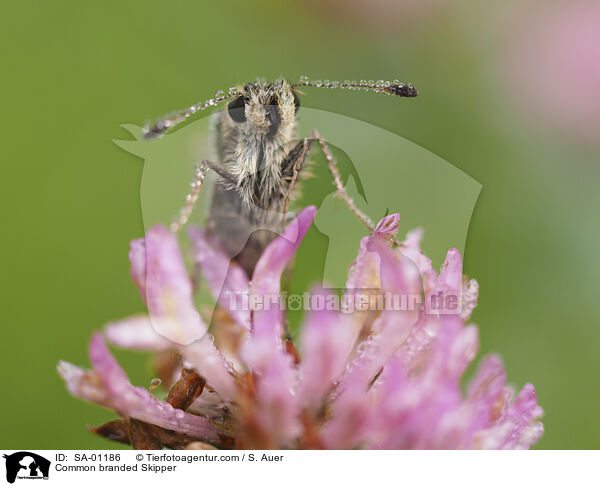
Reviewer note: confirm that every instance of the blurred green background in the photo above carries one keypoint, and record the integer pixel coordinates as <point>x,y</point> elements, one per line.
<point>73,72</point>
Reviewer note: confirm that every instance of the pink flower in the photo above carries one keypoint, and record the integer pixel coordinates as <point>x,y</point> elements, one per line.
<point>377,377</point>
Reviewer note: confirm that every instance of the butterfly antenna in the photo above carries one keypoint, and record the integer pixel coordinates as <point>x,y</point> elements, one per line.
<point>395,88</point>
<point>173,119</point>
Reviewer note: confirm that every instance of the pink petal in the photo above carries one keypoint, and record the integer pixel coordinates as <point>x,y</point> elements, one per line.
<point>393,399</point>
<point>84,384</point>
<point>419,412</point>
<point>414,350</point>
<point>113,389</point>
<point>399,276</point>
<point>226,279</point>
<point>351,416</point>
<point>413,240</point>
<point>444,360</point>
<point>463,351</point>
<point>451,272</point>
<point>266,280</point>
<point>410,411</point>
<point>446,297</point>
<point>411,249</point>
<point>169,292</point>
<point>364,271</point>
<point>518,426</point>
<point>442,298</point>
<point>427,409</point>
<point>136,333</point>
<point>523,415</point>
<point>278,404</point>
<point>137,257</point>
<point>388,225</point>
<point>470,294</point>
<point>325,342</point>
<point>203,356</point>
<point>486,387</point>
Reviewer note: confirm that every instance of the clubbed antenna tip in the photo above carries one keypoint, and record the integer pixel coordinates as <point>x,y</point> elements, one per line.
<point>395,87</point>
<point>404,90</point>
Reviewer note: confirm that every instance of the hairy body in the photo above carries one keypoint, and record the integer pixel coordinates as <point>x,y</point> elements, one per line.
<point>257,145</point>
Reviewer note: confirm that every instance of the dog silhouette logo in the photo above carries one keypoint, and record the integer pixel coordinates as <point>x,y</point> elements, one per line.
<point>26,465</point>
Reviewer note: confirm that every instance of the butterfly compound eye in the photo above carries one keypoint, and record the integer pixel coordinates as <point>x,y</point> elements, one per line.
<point>236,109</point>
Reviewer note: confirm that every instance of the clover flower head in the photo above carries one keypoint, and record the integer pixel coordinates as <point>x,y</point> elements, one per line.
<point>377,377</point>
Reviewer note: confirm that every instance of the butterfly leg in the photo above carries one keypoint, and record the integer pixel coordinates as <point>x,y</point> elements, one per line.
<point>337,181</point>
<point>196,186</point>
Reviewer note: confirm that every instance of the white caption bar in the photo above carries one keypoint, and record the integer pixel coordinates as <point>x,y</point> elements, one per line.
<point>283,468</point>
